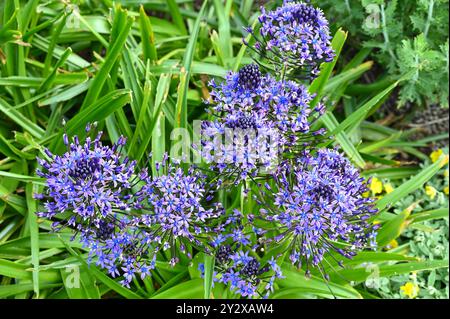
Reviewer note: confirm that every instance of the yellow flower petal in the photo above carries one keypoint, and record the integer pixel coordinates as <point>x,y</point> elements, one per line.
<point>411,290</point>
<point>430,191</point>
<point>393,244</point>
<point>376,186</point>
<point>446,190</point>
<point>436,154</point>
<point>444,161</point>
<point>388,188</point>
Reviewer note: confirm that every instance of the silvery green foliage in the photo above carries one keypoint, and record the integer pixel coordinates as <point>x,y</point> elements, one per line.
<point>406,37</point>
<point>428,240</point>
<point>428,244</point>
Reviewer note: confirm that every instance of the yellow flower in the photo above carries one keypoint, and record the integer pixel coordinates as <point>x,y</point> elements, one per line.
<point>411,290</point>
<point>430,191</point>
<point>436,154</point>
<point>393,244</point>
<point>446,190</point>
<point>376,186</point>
<point>388,188</point>
<point>444,161</point>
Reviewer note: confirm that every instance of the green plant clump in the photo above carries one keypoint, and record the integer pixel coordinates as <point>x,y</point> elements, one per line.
<point>406,37</point>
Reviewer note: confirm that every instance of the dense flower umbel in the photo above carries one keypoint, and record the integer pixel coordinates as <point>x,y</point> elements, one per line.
<point>249,76</point>
<point>176,208</point>
<point>257,119</point>
<point>125,252</point>
<point>295,35</point>
<point>90,181</point>
<point>89,188</point>
<point>234,267</point>
<point>244,274</point>
<point>285,104</point>
<point>319,207</point>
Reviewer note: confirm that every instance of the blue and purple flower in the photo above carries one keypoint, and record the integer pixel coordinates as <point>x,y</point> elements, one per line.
<point>319,207</point>
<point>295,36</point>
<point>243,273</point>
<point>90,181</point>
<point>257,121</point>
<point>176,209</point>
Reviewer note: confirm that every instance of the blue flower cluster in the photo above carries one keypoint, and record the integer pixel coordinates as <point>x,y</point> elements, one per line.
<point>232,229</point>
<point>258,119</point>
<point>281,104</point>
<point>91,189</point>
<point>295,36</point>
<point>237,264</point>
<point>308,201</point>
<point>318,202</point>
<point>244,274</point>
<point>90,180</point>
<point>173,208</point>
<point>123,249</point>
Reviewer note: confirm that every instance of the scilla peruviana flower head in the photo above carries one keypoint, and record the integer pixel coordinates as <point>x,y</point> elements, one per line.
<point>244,273</point>
<point>319,208</point>
<point>177,209</point>
<point>256,121</point>
<point>86,186</point>
<point>294,36</point>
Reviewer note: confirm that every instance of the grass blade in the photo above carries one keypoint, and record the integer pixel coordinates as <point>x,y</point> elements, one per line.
<point>147,37</point>
<point>113,54</point>
<point>411,185</point>
<point>21,120</point>
<point>209,272</point>
<point>34,234</point>
<point>95,112</point>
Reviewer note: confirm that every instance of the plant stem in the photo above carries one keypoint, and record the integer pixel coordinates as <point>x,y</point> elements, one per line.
<point>386,34</point>
<point>347,4</point>
<point>283,71</point>
<point>429,18</point>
